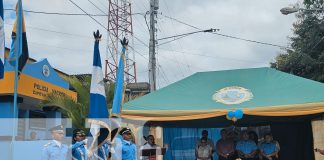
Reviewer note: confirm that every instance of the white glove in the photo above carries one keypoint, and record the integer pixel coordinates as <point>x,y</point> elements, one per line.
<point>85,141</point>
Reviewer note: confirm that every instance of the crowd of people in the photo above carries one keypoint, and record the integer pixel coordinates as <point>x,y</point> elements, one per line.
<point>229,147</point>
<point>245,146</point>
<point>123,147</point>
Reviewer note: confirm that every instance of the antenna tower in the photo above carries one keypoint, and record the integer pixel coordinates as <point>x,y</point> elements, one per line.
<point>120,26</point>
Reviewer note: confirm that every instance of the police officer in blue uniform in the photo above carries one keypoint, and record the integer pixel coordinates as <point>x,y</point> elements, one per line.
<point>55,150</point>
<point>79,150</point>
<point>269,148</point>
<point>129,150</point>
<point>246,148</point>
<point>125,149</point>
<point>103,151</point>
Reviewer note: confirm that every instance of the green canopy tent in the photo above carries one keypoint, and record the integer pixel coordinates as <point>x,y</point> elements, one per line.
<point>265,95</point>
<point>261,92</point>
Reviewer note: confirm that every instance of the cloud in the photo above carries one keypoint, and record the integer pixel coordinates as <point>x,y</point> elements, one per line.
<point>72,52</point>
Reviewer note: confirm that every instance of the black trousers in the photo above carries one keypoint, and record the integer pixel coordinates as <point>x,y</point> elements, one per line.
<point>231,157</point>
<point>273,158</point>
<point>249,158</point>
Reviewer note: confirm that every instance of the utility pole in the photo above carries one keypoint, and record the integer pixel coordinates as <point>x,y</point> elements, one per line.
<point>154,6</point>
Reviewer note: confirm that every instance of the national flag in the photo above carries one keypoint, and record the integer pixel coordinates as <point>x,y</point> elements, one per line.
<point>98,111</point>
<point>19,40</point>
<point>117,102</point>
<point>119,86</point>
<point>2,41</point>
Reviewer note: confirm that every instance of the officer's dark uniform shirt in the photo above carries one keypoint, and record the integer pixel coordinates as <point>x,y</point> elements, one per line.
<point>79,151</point>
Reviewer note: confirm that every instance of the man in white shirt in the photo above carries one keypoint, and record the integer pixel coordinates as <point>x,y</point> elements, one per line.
<point>150,144</point>
<point>203,150</point>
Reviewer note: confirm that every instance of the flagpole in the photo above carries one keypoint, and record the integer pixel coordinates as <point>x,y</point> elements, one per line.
<point>14,128</point>
<point>18,49</point>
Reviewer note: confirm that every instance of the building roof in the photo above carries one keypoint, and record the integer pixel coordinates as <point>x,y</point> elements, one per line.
<point>32,60</point>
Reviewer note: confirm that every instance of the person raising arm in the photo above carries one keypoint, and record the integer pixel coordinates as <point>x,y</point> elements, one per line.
<point>319,150</point>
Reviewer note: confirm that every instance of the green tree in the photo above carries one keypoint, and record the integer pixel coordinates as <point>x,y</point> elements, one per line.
<point>305,57</point>
<point>78,109</point>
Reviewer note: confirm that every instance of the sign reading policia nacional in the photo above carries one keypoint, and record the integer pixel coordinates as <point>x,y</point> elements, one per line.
<point>232,95</point>
<point>37,80</point>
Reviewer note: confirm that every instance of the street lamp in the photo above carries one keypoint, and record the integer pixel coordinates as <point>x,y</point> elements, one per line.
<point>289,10</point>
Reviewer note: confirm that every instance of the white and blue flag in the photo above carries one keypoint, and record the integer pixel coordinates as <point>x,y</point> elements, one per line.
<point>98,111</point>
<point>2,41</point>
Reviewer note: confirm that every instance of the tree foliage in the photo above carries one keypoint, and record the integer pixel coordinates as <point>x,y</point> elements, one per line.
<point>305,57</point>
<point>77,110</point>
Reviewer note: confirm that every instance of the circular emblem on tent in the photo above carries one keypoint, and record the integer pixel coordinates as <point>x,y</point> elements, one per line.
<point>46,71</point>
<point>232,95</point>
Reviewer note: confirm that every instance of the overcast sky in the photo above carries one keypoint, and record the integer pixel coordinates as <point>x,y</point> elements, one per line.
<point>67,41</point>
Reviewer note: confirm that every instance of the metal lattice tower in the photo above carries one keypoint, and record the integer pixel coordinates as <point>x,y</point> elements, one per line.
<point>120,26</point>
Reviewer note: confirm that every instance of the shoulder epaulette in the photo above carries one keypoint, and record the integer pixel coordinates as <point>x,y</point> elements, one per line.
<point>49,143</point>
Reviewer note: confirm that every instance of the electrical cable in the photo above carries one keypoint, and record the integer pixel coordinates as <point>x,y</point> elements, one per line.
<point>88,15</point>
<point>209,56</point>
<point>100,23</point>
<point>101,3</point>
<point>53,31</point>
<point>57,13</point>
<point>228,36</point>
<point>66,14</point>
<point>175,31</point>
<point>190,33</point>
<point>97,7</point>
<point>172,40</point>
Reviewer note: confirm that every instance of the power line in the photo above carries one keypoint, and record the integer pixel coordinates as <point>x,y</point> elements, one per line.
<point>162,74</point>
<point>248,40</point>
<point>160,69</point>
<point>138,52</point>
<point>89,15</point>
<point>179,36</point>
<point>228,36</point>
<point>53,31</point>
<point>66,14</point>
<point>209,56</point>
<point>181,22</point>
<point>102,24</point>
<point>175,31</point>
<point>190,33</point>
<point>148,28</point>
<point>172,40</point>
<point>58,13</point>
<point>103,4</point>
<point>57,47</point>
<point>143,28</point>
<point>141,41</point>
<point>175,58</point>
<point>85,36</point>
<point>97,7</point>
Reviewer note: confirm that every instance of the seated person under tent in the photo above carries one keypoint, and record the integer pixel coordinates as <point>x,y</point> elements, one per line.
<point>246,148</point>
<point>269,148</point>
